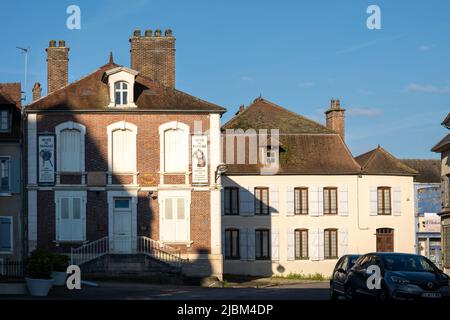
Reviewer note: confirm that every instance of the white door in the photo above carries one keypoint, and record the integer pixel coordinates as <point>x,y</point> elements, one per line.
<point>175,220</point>
<point>122,225</point>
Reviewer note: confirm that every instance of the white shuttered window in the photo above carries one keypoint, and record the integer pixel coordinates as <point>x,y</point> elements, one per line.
<point>70,150</point>
<point>124,151</point>
<point>175,151</point>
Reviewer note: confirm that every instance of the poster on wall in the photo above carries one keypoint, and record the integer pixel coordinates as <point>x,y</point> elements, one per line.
<point>432,222</point>
<point>46,159</point>
<point>199,159</point>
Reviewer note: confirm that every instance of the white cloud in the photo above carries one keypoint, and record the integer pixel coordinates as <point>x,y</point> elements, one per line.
<point>364,112</point>
<point>246,78</point>
<point>307,84</point>
<point>427,88</point>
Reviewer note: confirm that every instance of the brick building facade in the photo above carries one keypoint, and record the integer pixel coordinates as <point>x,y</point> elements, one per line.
<point>110,156</point>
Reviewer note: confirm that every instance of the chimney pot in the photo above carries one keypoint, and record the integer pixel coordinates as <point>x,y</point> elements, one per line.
<point>148,33</point>
<point>57,65</point>
<point>154,56</point>
<point>37,91</point>
<point>137,33</point>
<point>335,117</point>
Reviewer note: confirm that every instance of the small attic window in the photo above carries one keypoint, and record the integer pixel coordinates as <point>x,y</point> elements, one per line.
<point>121,93</point>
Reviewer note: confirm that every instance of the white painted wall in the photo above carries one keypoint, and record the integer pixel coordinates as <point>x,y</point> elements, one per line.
<point>360,225</point>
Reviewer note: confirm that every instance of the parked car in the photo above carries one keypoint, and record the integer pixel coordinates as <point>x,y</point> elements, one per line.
<point>339,276</point>
<point>403,276</point>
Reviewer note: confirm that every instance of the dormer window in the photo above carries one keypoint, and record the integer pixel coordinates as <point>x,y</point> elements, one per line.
<point>121,81</point>
<point>5,121</point>
<point>121,93</point>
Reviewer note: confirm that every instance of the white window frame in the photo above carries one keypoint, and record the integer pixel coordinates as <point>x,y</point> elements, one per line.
<point>121,91</point>
<point>8,120</point>
<point>121,125</point>
<point>167,194</point>
<point>121,74</point>
<point>266,159</point>
<point>7,193</point>
<point>173,125</point>
<point>70,125</point>
<point>11,234</point>
<point>70,194</point>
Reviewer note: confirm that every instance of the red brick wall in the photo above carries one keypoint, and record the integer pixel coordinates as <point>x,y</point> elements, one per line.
<point>148,164</point>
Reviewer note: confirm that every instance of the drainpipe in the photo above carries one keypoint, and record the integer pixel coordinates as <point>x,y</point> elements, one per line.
<point>357,202</point>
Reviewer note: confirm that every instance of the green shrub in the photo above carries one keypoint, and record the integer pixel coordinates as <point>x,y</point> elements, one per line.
<point>60,262</point>
<point>39,265</point>
<point>298,276</point>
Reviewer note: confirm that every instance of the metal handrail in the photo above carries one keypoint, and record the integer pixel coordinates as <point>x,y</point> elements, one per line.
<point>89,251</point>
<point>160,251</point>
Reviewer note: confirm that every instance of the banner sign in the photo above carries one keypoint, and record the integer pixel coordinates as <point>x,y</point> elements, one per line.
<point>46,159</point>
<point>199,159</point>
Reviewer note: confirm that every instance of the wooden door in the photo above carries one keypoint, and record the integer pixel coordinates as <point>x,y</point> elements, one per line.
<point>385,240</point>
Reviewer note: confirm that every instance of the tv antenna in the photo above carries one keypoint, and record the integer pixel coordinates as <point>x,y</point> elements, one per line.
<point>25,53</point>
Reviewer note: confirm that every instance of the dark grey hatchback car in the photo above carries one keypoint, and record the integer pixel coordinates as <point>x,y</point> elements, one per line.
<point>402,276</point>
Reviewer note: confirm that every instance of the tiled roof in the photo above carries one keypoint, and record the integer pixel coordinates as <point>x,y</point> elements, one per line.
<point>442,145</point>
<point>91,93</point>
<point>429,169</point>
<point>379,161</point>
<point>306,147</point>
<point>263,114</point>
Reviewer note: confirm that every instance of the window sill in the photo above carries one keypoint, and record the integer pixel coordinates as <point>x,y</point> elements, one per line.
<point>5,194</point>
<point>178,243</point>
<point>7,252</point>
<point>302,259</point>
<point>122,106</point>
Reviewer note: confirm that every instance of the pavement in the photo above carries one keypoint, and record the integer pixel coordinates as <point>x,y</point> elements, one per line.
<point>140,291</point>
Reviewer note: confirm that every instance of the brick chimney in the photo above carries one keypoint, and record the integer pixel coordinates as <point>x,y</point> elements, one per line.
<point>37,91</point>
<point>57,65</point>
<point>153,55</point>
<point>336,118</point>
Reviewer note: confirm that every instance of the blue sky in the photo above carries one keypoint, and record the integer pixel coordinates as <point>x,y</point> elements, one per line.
<point>394,82</point>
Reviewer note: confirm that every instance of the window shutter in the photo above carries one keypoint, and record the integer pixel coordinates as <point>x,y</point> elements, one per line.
<point>251,244</point>
<point>397,201</point>
<point>70,150</point>
<point>290,200</point>
<point>290,240</point>
<point>175,150</point>
<point>321,247</point>
<point>313,244</point>
<point>274,201</point>
<point>373,201</point>
<point>5,234</point>
<point>343,241</point>
<point>314,201</point>
<point>243,235</point>
<point>275,242</point>
<point>343,201</point>
<point>77,220</point>
<point>320,194</point>
<point>15,175</point>
<point>247,201</point>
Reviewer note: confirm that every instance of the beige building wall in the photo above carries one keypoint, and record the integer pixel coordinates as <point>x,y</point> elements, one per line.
<point>360,226</point>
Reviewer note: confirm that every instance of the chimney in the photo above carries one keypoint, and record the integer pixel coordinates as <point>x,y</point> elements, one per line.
<point>153,55</point>
<point>37,91</point>
<point>57,65</point>
<point>336,118</point>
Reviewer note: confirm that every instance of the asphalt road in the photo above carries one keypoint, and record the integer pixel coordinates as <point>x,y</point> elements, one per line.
<point>139,291</point>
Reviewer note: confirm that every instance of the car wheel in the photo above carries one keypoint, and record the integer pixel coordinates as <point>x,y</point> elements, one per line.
<point>349,292</point>
<point>333,294</point>
<point>383,294</point>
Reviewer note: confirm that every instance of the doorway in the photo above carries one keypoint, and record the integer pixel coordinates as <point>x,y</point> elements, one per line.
<point>385,240</point>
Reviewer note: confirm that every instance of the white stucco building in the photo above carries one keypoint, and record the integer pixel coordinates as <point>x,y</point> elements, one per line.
<point>321,203</point>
